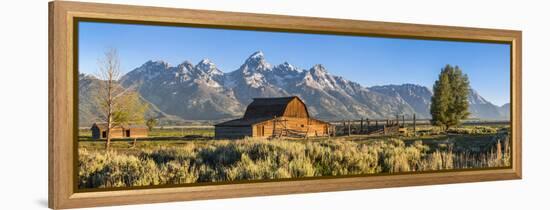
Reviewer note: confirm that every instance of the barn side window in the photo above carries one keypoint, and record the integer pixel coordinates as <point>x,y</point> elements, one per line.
<point>104,134</point>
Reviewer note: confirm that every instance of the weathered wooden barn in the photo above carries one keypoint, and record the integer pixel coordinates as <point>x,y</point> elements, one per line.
<point>99,131</point>
<point>273,117</point>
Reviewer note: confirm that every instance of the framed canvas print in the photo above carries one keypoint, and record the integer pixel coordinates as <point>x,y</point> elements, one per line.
<point>151,104</point>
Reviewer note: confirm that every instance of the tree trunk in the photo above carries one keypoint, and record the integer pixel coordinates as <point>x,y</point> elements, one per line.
<point>109,112</point>
<point>108,143</point>
<point>109,127</point>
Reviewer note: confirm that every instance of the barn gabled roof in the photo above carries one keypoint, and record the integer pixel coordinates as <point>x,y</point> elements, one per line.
<point>268,107</point>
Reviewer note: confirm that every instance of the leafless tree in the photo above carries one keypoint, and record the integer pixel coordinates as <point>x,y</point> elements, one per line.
<point>118,105</point>
<point>109,73</point>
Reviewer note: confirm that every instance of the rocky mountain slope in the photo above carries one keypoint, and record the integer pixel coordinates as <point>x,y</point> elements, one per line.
<point>204,92</point>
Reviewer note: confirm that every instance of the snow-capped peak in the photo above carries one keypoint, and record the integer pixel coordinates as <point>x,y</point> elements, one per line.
<point>286,64</point>
<point>319,77</point>
<point>255,63</point>
<point>287,67</point>
<point>318,69</point>
<point>187,63</point>
<point>205,61</point>
<point>207,66</point>
<point>186,66</point>
<point>257,55</point>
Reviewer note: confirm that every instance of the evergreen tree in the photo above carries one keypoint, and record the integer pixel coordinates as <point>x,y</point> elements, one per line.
<point>450,99</point>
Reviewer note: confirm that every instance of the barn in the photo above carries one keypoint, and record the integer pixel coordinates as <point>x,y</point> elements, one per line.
<point>99,131</point>
<point>273,117</point>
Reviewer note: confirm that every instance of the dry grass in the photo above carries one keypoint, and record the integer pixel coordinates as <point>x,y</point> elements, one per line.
<point>428,130</point>
<point>256,159</point>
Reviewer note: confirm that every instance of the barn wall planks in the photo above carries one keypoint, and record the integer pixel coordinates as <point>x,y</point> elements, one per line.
<point>296,108</point>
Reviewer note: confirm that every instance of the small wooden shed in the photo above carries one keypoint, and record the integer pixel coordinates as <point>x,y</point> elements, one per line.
<point>273,117</point>
<point>99,131</point>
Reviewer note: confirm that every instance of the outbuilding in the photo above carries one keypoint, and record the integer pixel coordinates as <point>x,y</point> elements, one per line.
<point>99,131</point>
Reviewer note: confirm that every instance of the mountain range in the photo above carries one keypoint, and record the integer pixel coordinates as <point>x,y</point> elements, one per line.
<point>204,92</point>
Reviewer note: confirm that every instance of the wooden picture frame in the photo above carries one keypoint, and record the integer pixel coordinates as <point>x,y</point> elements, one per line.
<point>62,15</point>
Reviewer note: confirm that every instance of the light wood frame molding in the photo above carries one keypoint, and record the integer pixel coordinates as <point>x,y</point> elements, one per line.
<point>61,147</point>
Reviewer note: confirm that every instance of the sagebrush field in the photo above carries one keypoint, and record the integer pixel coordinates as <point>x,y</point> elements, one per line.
<point>195,158</point>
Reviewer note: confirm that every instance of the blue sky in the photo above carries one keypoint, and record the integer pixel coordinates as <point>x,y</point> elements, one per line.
<point>366,60</point>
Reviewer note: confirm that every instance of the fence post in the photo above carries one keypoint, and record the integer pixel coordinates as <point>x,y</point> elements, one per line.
<point>414,124</point>
<point>342,127</point>
<point>361,129</point>
<point>368,124</point>
<point>397,119</point>
<point>349,128</point>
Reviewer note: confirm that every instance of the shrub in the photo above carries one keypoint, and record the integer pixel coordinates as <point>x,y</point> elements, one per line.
<point>256,159</point>
<point>473,130</point>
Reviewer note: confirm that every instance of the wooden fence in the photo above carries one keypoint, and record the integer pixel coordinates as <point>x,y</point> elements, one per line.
<point>398,124</point>
<point>371,126</point>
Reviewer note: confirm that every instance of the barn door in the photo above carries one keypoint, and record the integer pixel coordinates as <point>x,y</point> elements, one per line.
<point>260,131</point>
